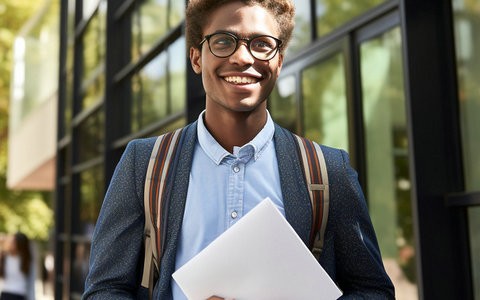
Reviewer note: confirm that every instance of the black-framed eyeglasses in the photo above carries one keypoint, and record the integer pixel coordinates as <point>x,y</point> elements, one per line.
<point>224,44</point>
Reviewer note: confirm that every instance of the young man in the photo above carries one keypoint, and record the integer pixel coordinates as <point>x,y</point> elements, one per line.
<point>232,158</point>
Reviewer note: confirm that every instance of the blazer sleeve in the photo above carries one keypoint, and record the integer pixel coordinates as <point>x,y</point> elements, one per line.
<point>116,259</point>
<point>353,246</point>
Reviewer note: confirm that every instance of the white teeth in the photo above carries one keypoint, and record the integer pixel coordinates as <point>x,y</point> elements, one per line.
<point>240,80</point>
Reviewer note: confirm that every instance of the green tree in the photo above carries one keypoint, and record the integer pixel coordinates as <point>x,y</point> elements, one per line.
<point>27,211</point>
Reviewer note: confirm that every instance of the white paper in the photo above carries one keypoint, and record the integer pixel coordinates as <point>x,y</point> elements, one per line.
<point>260,257</point>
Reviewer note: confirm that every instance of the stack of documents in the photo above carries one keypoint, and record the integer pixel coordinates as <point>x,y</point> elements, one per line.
<point>260,257</point>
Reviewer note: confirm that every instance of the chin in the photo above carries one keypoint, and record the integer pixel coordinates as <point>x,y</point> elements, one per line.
<point>248,106</point>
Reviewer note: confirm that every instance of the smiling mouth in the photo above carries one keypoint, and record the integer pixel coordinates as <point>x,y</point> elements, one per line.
<point>240,80</point>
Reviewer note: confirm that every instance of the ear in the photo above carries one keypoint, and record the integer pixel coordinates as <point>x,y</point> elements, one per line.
<point>280,63</point>
<point>196,59</point>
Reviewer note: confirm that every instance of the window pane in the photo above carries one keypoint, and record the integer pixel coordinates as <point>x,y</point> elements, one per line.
<point>302,33</point>
<point>388,180</point>
<point>68,105</point>
<point>65,125</point>
<point>95,91</point>
<point>93,59</point>
<point>136,36</point>
<point>149,25</point>
<point>150,100</point>
<point>91,137</point>
<point>324,103</point>
<point>91,197</point>
<point>89,7</point>
<point>282,103</point>
<point>170,127</point>
<point>178,81</point>
<point>332,14</point>
<point>94,45</point>
<point>177,12</point>
<point>467,36</point>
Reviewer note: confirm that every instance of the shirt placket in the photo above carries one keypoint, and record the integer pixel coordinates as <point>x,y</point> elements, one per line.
<point>234,206</point>
<point>235,201</point>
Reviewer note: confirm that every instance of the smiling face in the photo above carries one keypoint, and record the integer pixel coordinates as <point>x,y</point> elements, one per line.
<point>238,83</point>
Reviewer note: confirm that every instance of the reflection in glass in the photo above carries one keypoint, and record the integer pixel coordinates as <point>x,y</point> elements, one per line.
<point>94,41</point>
<point>302,33</point>
<point>332,14</point>
<point>94,58</point>
<point>89,7</point>
<point>65,124</point>
<point>159,90</point>
<point>467,34</point>
<point>177,13</point>
<point>91,196</point>
<point>388,180</point>
<point>71,20</point>
<point>324,103</point>
<point>150,99</point>
<point>95,91</point>
<point>152,21</point>
<point>91,138</point>
<point>282,104</point>
<point>177,69</point>
<point>68,105</point>
<point>180,122</point>
<point>467,38</point>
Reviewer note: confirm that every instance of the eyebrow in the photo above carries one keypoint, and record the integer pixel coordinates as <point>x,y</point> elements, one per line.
<point>241,36</point>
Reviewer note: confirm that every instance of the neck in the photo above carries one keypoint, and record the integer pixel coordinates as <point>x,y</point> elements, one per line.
<point>235,129</point>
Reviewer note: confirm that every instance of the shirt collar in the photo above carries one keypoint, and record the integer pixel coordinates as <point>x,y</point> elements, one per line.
<point>217,153</point>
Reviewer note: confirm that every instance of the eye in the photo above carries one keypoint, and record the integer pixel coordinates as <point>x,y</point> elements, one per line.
<point>263,44</point>
<point>222,41</point>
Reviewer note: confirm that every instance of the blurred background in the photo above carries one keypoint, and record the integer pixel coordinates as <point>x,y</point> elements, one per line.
<point>29,42</point>
<point>396,83</point>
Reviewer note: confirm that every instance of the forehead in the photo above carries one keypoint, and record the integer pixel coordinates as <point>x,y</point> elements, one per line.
<point>242,19</point>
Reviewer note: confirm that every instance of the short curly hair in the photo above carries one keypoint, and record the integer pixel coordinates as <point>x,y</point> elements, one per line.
<point>198,11</point>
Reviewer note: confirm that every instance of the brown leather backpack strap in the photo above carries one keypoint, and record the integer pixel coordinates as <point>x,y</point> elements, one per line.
<point>159,168</point>
<point>316,177</point>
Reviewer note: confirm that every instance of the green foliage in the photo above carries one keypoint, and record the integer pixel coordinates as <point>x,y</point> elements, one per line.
<point>19,210</point>
<point>333,13</point>
<point>26,212</point>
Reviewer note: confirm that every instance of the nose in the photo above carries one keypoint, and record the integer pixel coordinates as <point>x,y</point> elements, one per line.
<point>242,55</point>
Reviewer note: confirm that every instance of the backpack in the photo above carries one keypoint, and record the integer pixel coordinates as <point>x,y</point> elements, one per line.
<point>160,165</point>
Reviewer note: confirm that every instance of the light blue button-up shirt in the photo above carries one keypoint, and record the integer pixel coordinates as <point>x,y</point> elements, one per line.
<point>224,187</point>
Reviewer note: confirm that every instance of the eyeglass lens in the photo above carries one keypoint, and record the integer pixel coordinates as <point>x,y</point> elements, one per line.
<point>261,47</point>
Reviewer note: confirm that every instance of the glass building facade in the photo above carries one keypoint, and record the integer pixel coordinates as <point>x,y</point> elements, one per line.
<point>395,83</point>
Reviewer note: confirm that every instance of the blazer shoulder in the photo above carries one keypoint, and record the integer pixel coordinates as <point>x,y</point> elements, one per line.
<point>140,149</point>
<point>335,157</point>
<point>142,144</point>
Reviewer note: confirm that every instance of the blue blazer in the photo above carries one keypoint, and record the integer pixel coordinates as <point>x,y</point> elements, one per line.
<point>350,256</point>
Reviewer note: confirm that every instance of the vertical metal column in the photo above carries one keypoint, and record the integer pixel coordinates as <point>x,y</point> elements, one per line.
<point>436,165</point>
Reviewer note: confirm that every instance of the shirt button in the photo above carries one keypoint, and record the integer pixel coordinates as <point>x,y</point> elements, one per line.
<point>234,214</point>
<point>236,169</point>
